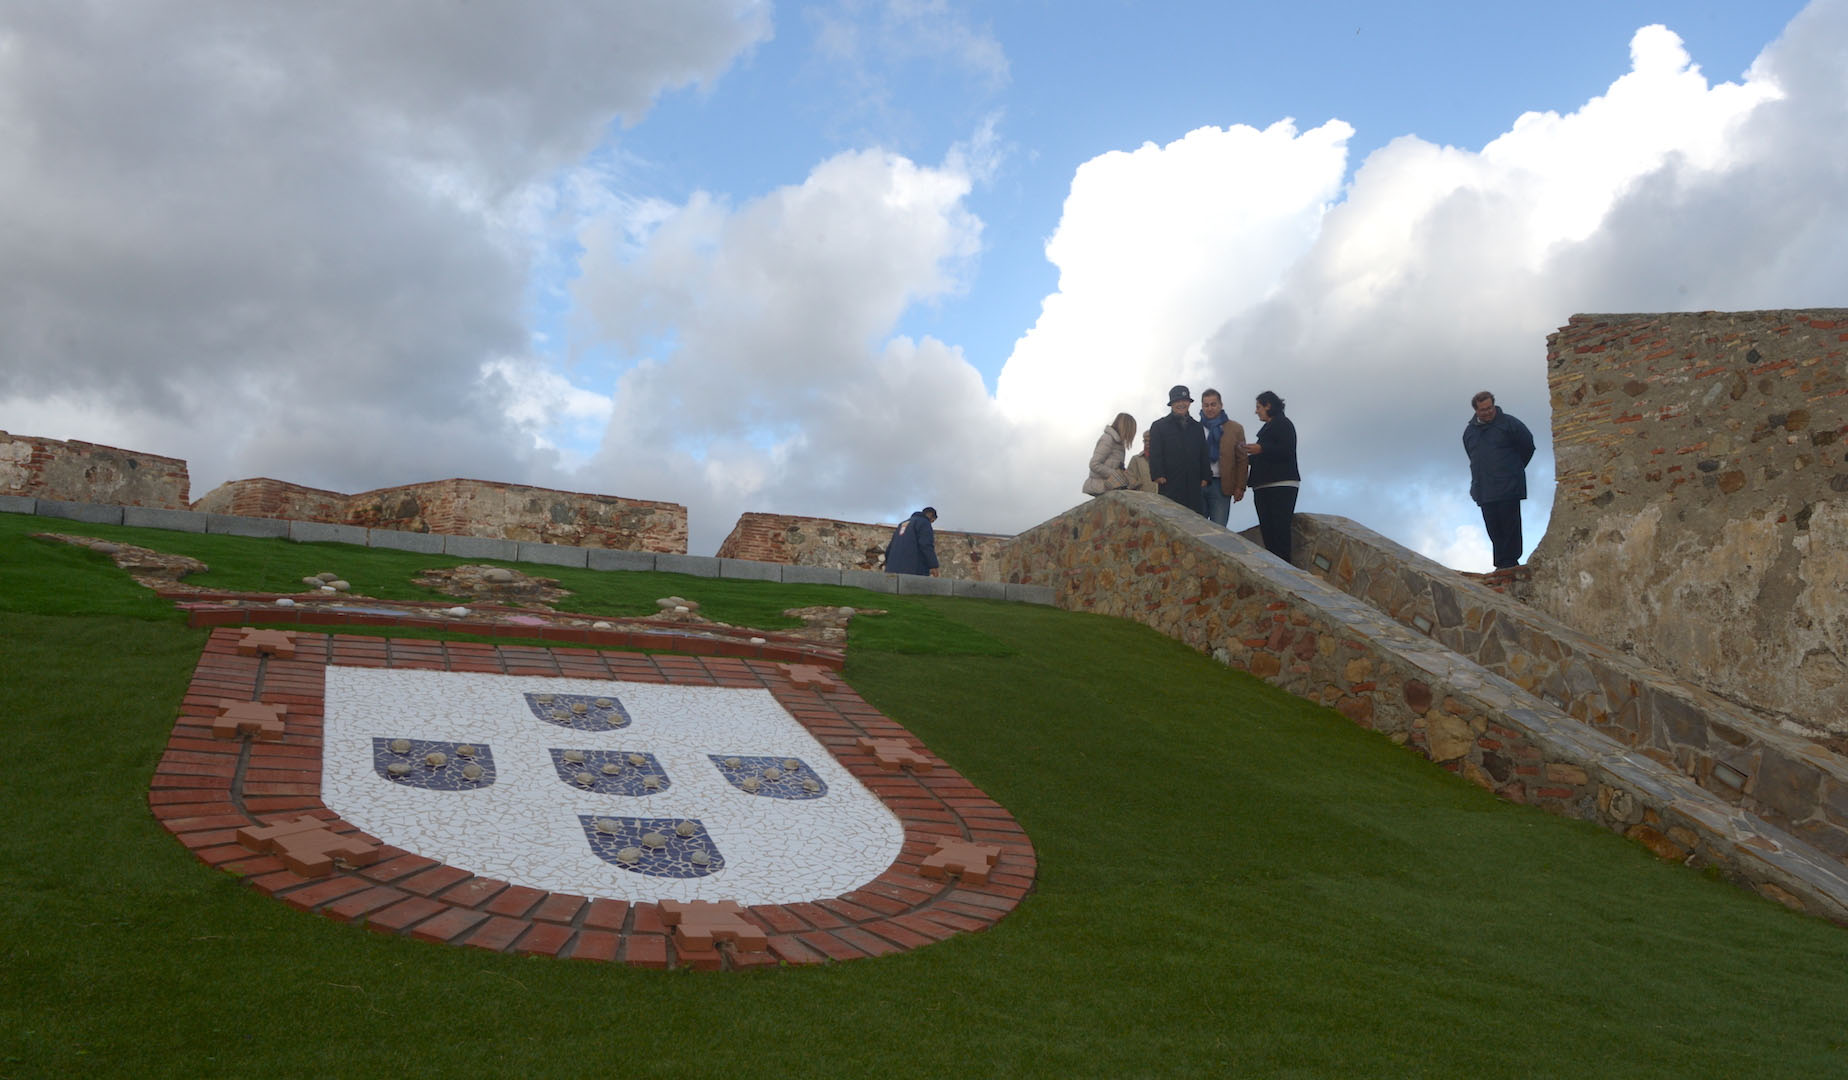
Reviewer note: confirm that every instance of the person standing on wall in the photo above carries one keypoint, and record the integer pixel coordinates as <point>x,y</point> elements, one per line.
<point>1274,477</point>
<point>913,547</point>
<point>1225,454</point>
<point>1107,472</point>
<point>1140,478</point>
<point>1499,448</point>
<point>1177,453</point>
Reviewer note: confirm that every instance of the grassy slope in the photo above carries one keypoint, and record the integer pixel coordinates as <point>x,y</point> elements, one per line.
<point>1232,881</point>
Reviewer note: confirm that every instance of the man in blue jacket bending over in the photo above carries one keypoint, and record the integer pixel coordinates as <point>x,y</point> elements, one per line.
<point>913,549</point>
<point>1499,448</point>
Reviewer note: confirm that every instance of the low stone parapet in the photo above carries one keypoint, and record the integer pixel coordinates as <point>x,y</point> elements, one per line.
<point>1739,756</point>
<point>1138,556</point>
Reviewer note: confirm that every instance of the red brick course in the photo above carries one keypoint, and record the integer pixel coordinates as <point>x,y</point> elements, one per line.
<point>204,790</point>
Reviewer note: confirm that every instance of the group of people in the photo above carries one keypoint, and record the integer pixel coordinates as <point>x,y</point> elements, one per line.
<point>1206,465</point>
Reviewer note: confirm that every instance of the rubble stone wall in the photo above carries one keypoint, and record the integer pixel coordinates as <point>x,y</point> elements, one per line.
<point>1745,759</point>
<point>850,545</point>
<point>1701,512</point>
<point>266,498</point>
<point>1137,556</point>
<point>469,508</point>
<point>86,472</point>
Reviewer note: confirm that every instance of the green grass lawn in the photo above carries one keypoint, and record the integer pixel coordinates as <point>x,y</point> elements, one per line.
<point>1232,882</point>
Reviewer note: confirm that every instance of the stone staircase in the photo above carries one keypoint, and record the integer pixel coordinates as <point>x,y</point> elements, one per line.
<point>1471,679</point>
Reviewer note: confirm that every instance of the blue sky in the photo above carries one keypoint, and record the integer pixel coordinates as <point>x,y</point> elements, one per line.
<point>843,258</point>
<point>1085,77</point>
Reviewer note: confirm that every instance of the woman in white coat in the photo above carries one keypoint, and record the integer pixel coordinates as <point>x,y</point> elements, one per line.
<point>1107,473</point>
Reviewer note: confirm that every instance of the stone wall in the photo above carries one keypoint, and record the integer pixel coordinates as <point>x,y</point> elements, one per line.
<point>1740,757</point>
<point>469,508</point>
<point>266,498</point>
<point>1701,513</point>
<point>850,545</point>
<point>1135,555</point>
<point>88,472</point>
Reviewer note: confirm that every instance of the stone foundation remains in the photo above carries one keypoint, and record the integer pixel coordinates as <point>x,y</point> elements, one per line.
<point>1701,514</point>
<point>850,545</point>
<point>87,472</point>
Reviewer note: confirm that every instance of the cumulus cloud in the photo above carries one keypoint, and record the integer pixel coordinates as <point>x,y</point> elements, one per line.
<point>286,238</point>
<point>1233,256</point>
<point>775,385</point>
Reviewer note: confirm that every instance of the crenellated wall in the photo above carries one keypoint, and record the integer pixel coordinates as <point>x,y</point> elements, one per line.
<point>75,471</point>
<point>850,545</point>
<point>1701,513</point>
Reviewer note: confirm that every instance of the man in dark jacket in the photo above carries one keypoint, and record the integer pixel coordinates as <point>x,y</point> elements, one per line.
<point>1499,448</point>
<point>913,548</point>
<point>1177,453</point>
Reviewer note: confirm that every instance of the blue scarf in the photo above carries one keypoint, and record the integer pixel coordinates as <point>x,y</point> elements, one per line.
<point>1214,429</point>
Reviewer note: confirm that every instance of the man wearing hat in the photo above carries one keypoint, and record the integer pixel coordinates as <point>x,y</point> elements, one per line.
<point>1177,453</point>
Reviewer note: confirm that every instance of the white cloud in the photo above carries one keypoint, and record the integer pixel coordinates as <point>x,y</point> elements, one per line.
<point>300,230</point>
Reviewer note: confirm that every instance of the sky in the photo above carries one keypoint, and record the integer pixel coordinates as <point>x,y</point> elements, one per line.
<point>849,257</point>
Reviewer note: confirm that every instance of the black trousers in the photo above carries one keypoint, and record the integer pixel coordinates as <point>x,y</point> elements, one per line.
<point>1503,521</point>
<point>1276,506</point>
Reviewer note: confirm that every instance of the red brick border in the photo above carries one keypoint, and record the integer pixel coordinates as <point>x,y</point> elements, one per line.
<point>205,789</point>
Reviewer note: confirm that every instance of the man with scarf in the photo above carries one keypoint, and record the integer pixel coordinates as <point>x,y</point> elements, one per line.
<point>1230,468</point>
<point>1177,453</point>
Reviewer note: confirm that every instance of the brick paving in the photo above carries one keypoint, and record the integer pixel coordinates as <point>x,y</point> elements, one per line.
<point>206,789</point>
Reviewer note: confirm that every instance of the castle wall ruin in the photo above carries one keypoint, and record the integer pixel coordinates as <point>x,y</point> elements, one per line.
<point>76,471</point>
<point>848,545</point>
<point>468,508</point>
<point>1701,514</point>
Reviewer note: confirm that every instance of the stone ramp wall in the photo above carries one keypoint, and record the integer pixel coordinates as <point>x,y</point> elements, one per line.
<point>76,471</point>
<point>1701,513</point>
<point>458,507</point>
<point>850,545</point>
<point>1745,759</point>
<point>1138,556</point>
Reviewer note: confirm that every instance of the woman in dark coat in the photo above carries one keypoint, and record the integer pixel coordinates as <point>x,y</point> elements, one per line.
<point>1274,478</point>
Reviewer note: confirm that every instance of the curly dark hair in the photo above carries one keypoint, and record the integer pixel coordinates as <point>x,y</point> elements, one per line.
<point>1272,402</point>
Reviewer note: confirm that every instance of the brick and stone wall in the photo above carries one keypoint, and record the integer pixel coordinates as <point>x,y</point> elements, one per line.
<point>266,498</point>
<point>1137,556</point>
<point>1701,513</point>
<point>851,545</point>
<point>469,508</point>
<point>75,471</point>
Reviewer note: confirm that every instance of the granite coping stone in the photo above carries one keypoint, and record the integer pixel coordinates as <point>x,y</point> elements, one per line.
<point>979,590</point>
<point>397,540</point>
<point>872,580</point>
<point>1032,594</point>
<point>553,554</point>
<point>696,565</point>
<point>750,570</point>
<point>90,513</point>
<point>154,517</point>
<point>612,559</point>
<point>18,504</point>
<point>481,547</point>
<point>322,532</point>
<point>811,575</point>
<point>921,585</point>
<point>239,525</point>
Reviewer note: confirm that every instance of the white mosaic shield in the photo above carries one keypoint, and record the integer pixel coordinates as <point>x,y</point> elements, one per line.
<point>633,791</point>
